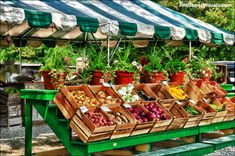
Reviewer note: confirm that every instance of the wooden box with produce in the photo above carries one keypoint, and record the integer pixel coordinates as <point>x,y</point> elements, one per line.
<point>145,93</point>
<point>209,113</point>
<point>144,119</point>
<point>79,96</point>
<point>161,92</point>
<point>180,116</point>
<point>195,114</point>
<point>175,91</point>
<point>221,112</point>
<point>215,88</point>
<point>106,95</point>
<point>127,93</point>
<point>230,107</point>
<point>92,124</point>
<point>64,105</point>
<point>206,90</point>
<point>193,92</point>
<point>160,114</point>
<point>124,120</point>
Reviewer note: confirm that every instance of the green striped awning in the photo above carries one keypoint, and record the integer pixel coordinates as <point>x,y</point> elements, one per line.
<point>68,19</point>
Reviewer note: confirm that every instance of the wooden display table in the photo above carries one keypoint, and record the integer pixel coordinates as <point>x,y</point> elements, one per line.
<point>42,101</point>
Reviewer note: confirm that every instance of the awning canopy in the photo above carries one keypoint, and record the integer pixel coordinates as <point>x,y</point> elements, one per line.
<point>69,19</point>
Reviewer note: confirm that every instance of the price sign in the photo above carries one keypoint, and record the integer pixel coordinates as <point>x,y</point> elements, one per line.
<point>126,105</point>
<point>193,102</point>
<point>180,103</point>
<point>83,109</point>
<point>105,109</point>
<point>205,100</point>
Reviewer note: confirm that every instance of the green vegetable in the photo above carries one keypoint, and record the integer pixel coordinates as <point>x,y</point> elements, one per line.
<point>216,108</point>
<point>11,90</point>
<point>191,110</point>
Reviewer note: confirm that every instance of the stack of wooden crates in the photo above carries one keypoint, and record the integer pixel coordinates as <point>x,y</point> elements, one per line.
<point>10,109</point>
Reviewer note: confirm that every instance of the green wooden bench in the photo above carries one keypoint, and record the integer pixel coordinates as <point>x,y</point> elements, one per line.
<point>222,142</point>
<point>195,149</point>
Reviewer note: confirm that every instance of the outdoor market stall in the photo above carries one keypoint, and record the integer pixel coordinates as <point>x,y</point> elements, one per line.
<point>58,22</point>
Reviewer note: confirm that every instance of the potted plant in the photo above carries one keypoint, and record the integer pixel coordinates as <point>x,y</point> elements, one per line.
<point>55,68</point>
<point>202,68</point>
<point>153,70</point>
<point>97,68</point>
<point>8,55</point>
<point>125,69</point>
<point>176,69</point>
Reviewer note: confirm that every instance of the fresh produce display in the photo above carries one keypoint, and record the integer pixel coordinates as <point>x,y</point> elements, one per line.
<point>191,110</point>
<point>217,107</point>
<point>117,117</point>
<point>107,99</point>
<point>156,112</point>
<point>83,100</point>
<point>141,115</point>
<point>177,92</point>
<point>144,96</point>
<point>127,95</point>
<point>99,119</point>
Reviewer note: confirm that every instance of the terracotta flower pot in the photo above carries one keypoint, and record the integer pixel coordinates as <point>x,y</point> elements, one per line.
<point>97,75</point>
<point>206,76</point>
<point>177,77</point>
<point>153,77</point>
<point>50,82</point>
<point>123,77</point>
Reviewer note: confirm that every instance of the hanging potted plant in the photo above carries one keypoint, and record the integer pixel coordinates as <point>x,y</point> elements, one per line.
<point>153,70</point>
<point>55,68</point>
<point>176,70</point>
<point>125,70</point>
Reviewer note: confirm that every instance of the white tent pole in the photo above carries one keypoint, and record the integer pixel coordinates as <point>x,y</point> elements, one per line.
<point>190,50</point>
<point>108,45</point>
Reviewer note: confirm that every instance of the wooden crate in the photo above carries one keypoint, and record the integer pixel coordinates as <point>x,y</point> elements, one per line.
<point>109,92</point>
<point>66,91</point>
<point>193,92</point>
<point>219,91</point>
<point>206,90</point>
<point>146,90</point>
<point>180,116</point>
<point>141,127</point>
<point>124,129</point>
<point>117,87</point>
<point>174,84</point>
<point>209,113</point>
<point>64,105</point>
<point>219,117</point>
<point>161,92</point>
<point>193,120</point>
<point>160,125</point>
<point>86,130</point>
<point>230,107</point>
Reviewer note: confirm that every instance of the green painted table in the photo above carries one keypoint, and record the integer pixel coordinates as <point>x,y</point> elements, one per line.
<point>41,100</point>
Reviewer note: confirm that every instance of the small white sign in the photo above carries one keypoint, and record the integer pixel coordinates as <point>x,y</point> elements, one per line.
<point>193,102</point>
<point>105,109</point>
<point>205,100</point>
<point>83,109</point>
<point>180,103</point>
<point>126,105</point>
<point>165,83</point>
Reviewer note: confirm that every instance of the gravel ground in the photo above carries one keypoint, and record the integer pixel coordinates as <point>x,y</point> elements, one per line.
<point>228,151</point>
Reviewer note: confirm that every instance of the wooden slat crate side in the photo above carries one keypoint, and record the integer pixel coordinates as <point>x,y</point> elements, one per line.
<point>177,123</point>
<point>65,108</point>
<point>99,136</point>
<point>230,107</point>
<point>193,91</point>
<point>219,91</point>
<point>120,133</point>
<point>78,131</point>
<point>159,90</point>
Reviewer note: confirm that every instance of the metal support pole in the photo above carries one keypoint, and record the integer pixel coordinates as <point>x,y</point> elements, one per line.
<point>28,128</point>
<point>85,46</point>
<point>108,45</point>
<point>190,50</point>
<point>116,47</point>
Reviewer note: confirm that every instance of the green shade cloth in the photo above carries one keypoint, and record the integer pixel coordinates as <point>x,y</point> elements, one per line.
<point>191,34</point>
<point>38,19</point>
<point>127,29</point>
<point>87,24</point>
<point>216,38</point>
<point>162,32</point>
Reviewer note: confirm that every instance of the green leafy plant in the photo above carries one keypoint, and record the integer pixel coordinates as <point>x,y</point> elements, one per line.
<point>9,53</point>
<point>174,66</point>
